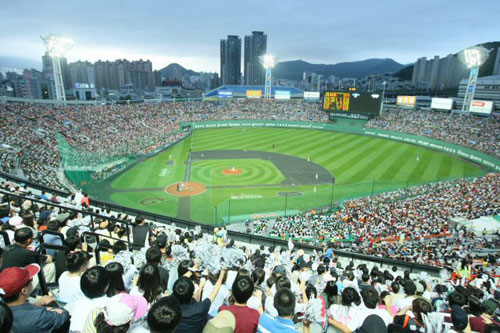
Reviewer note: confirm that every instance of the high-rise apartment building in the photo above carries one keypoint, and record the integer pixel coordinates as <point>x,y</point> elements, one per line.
<point>255,46</point>
<point>230,60</point>
<point>81,72</point>
<point>119,73</point>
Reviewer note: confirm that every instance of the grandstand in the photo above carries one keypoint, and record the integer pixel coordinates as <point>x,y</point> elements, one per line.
<point>397,236</point>
<point>234,91</point>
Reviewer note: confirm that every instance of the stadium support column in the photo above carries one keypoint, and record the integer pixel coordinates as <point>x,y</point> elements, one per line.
<point>383,96</point>
<point>58,80</point>
<point>331,199</point>
<point>286,202</point>
<point>268,87</point>
<point>470,90</point>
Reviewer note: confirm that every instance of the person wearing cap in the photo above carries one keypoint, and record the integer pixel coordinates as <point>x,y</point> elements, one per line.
<point>459,318</point>
<point>119,312</point>
<point>223,322</point>
<point>373,324</point>
<point>16,284</point>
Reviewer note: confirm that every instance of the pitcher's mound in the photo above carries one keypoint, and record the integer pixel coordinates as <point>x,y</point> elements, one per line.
<point>232,172</point>
<point>188,190</point>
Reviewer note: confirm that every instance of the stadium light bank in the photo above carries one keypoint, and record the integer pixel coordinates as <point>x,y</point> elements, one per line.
<point>473,58</point>
<point>268,61</point>
<point>58,46</point>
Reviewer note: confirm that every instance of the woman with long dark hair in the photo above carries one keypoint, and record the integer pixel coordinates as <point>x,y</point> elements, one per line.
<point>340,315</point>
<point>69,281</point>
<point>149,283</point>
<point>116,285</point>
<point>330,294</point>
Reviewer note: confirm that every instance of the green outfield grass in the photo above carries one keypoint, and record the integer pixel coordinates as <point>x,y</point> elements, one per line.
<point>360,164</point>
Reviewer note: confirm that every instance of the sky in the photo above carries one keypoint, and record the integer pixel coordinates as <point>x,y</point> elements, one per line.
<point>189,32</point>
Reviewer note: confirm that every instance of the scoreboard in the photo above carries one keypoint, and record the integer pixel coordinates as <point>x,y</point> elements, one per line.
<point>352,102</point>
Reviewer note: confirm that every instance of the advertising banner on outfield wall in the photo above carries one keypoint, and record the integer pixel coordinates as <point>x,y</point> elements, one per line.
<point>311,95</point>
<point>225,94</point>
<point>254,93</point>
<point>406,100</point>
<point>481,107</point>
<point>281,94</point>
<point>442,103</point>
<point>486,160</point>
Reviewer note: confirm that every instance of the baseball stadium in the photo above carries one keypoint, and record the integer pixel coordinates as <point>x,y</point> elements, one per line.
<point>227,171</point>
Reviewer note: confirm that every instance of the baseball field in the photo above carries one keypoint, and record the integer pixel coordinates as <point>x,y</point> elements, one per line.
<point>220,176</point>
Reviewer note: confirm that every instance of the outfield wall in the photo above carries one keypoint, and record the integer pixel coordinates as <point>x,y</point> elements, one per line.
<point>487,161</point>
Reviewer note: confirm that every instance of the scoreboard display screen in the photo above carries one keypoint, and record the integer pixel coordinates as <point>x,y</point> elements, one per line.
<point>352,102</point>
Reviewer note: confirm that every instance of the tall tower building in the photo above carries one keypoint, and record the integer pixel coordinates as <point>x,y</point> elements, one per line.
<point>255,46</point>
<point>230,60</point>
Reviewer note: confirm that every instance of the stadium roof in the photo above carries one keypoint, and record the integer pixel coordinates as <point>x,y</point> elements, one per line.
<point>241,91</point>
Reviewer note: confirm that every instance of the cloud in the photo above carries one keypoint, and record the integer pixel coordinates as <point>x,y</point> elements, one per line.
<point>321,31</point>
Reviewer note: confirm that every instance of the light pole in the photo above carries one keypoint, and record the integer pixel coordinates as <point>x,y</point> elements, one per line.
<point>473,58</point>
<point>383,96</point>
<point>268,61</point>
<point>57,46</point>
<point>333,189</point>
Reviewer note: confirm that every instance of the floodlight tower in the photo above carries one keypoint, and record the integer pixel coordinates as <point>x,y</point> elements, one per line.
<point>473,58</point>
<point>268,61</point>
<point>57,46</point>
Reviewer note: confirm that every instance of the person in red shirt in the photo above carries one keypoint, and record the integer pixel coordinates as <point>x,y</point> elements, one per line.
<point>85,200</point>
<point>247,319</point>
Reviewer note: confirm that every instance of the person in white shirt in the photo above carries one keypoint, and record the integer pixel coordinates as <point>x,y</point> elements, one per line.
<point>345,315</point>
<point>370,298</point>
<point>94,283</point>
<point>410,289</point>
<point>69,281</point>
<point>219,299</point>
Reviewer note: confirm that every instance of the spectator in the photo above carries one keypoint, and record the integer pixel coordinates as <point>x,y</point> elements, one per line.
<point>149,284</point>
<point>247,319</point>
<point>194,314</point>
<point>6,318</point>
<point>69,281</point>
<point>16,285</point>
<point>116,284</point>
<point>153,256</point>
<point>18,255</point>
<point>165,315</point>
<point>284,302</point>
<point>94,284</point>
<point>119,312</point>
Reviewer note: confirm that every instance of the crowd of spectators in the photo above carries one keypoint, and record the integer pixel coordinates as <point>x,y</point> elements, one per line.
<point>479,133</point>
<point>174,280</point>
<point>393,224</point>
<point>99,133</point>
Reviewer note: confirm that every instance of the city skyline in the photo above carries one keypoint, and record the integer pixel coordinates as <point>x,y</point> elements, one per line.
<point>189,33</point>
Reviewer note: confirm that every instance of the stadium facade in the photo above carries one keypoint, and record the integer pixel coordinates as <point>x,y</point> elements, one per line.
<point>236,91</point>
